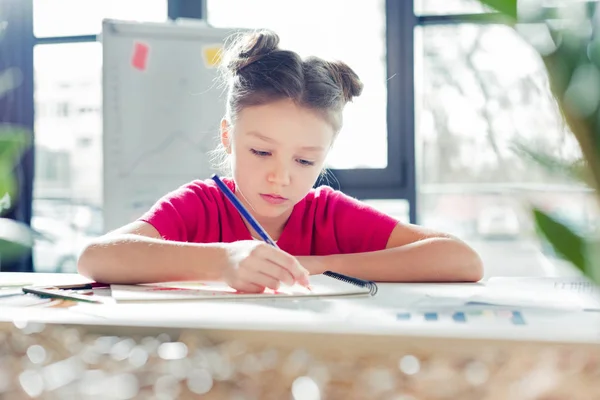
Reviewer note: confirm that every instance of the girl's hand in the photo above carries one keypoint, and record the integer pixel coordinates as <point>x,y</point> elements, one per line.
<point>314,264</point>
<point>253,266</point>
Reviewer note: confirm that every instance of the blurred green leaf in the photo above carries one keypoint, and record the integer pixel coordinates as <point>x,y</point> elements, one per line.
<point>16,240</point>
<point>506,7</point>
<point>565,242</point>
<point>13,142</point>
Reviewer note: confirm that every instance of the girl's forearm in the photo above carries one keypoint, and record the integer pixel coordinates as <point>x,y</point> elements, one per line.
<point>427,260</point>
<point>129,258</point>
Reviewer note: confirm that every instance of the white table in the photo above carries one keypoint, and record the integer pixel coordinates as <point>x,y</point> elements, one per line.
<point>383,315</point>
<point>350,338</point>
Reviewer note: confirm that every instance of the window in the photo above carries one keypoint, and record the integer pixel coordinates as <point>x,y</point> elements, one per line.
<point>475,105</point>
<point>52,168</point>
<point>62,109</point>
<point>83,17</point>
<point>68,122</point>
<point>352,31</point>
<point>63,73</point>
<point>480,89</point>
<point>440,7</point>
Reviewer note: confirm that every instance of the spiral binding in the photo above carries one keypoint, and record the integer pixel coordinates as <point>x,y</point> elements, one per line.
<point>372,286</point>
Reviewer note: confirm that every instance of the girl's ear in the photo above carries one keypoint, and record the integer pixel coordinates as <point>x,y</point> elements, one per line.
<point>225,135</point>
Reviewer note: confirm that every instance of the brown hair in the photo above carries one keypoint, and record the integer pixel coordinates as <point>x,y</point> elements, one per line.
<point>258,72</point>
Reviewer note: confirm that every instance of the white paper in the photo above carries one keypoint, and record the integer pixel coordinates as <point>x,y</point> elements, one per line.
<point>321,286</point>
<point>541,292</point>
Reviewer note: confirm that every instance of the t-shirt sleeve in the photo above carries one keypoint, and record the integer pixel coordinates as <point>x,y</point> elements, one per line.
<point>358,226</point>
<point>180,214</point>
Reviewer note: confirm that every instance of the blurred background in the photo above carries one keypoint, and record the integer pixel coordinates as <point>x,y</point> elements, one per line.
<point>448,89</point>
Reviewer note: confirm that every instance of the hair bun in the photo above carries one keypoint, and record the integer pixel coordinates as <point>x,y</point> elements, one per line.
<point>346,78</point>
<point>247,48</point>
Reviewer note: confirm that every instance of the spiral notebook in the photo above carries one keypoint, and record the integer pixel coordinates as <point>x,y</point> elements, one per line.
<point>328,284</point>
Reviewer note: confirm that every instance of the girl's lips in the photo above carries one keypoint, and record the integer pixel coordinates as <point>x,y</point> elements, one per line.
<point>273,198</point>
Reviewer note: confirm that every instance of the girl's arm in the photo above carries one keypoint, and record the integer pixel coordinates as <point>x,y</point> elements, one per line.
<point>136,253</point>
<point>412,254</point>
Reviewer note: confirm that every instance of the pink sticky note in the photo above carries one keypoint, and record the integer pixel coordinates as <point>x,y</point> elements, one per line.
<point>140,56</point>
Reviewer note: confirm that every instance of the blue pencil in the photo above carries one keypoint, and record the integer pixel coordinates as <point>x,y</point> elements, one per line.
<point>243,211</point>
<point>246,215</point>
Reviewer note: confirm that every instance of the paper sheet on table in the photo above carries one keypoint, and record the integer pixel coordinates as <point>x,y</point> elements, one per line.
<point>418,295</point>
<point>542,292</point>
<point>573,284</point>
<point>571,293</point>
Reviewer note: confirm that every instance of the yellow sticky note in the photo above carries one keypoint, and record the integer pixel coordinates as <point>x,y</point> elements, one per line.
<point>212,56</point>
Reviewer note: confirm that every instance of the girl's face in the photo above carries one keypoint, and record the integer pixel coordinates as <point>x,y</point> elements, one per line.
<point>277,153</point>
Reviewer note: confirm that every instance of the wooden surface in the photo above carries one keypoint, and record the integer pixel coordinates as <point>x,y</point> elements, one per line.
<point>90,361</point>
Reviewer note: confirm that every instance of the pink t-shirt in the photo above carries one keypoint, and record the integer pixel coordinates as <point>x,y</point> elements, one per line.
<point>325,222</point>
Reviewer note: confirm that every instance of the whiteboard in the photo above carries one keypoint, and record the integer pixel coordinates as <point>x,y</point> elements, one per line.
<point>162,105</point>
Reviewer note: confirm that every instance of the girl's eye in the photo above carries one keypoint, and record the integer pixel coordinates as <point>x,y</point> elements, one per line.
<point>306,162</point>
<point>260,153</point>
<point>300,161</point>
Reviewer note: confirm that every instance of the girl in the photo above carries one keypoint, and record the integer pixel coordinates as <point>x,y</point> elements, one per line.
<point>283,114</point>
